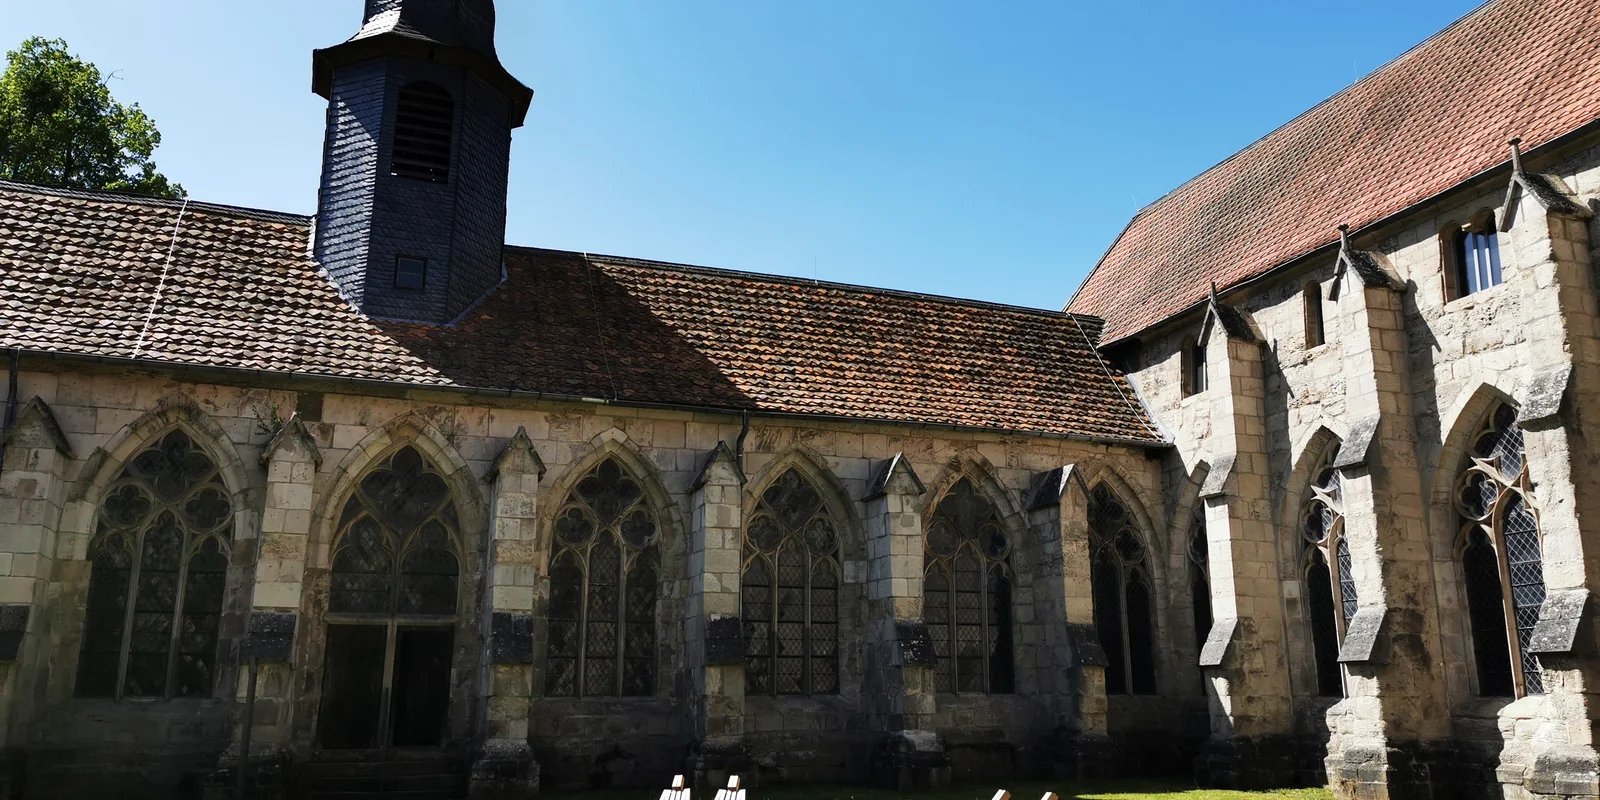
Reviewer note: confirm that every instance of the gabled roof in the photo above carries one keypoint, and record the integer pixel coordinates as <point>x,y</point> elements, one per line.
<point>1430,120</point>
<point>80,274</point>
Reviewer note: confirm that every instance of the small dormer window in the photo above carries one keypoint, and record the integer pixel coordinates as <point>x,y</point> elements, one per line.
<point>423,128</point>
<point>411,273</point>
<point>1476,253</point>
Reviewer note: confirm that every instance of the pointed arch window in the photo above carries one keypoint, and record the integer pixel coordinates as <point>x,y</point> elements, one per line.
<point>1330,581</point>
<point>967,593</point>
<point>1124,612</point>
<point>159,572</point>
<point>603,583</point>
<point>1501,550</point>
<point>790,592</point>
<point>395,551</point>
<point>424,125</point>
<point>1200,575</point>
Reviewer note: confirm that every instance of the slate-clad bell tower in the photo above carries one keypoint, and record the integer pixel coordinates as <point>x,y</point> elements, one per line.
<point>411,216</point>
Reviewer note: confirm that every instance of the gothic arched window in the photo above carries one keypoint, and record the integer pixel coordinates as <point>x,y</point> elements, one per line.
<point>1501,557</point>
<point>1330,584</point>
<point>1200,575</point>
<point>603,583</point>
<point>967,593</point>
<point>425,118</point>
<point>790,592</point>
<point>1124,613</point>
<point>160,562</point>
<point>395,550</point>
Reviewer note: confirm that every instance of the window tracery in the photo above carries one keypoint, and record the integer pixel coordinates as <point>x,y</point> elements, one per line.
<point>790,592</point>
<point>395,550</point>
<point>1123,607</point>
<point>1501,550</point>
<point>1330,581</point>
<point>967,593</point>
<point>603,584</point>
<point>159,573</point>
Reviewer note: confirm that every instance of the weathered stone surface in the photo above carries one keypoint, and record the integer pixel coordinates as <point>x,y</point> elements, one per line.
<point>270,636</point>
<point>725,642</point>
<point>1363,636</point>
<point>511,638</point>
<point>1085,644</point>
<point>1561,621</point>
<point>1218,640</point>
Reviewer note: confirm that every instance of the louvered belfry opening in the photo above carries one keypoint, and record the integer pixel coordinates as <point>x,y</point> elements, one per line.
<point>423,129</point>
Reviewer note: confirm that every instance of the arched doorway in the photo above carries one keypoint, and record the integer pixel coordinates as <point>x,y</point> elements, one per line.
<point>392,610</point>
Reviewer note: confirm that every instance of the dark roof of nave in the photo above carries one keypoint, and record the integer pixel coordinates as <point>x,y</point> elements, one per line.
<point>80,272</point>
<point>1431,119</point>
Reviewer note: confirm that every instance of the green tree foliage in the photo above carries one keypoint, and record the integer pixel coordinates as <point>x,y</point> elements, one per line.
<point>59,125</point>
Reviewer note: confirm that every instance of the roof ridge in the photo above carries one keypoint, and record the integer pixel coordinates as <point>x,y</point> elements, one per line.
<point>1385,67</point>
<point>789,280</point>
<point>134,198</point>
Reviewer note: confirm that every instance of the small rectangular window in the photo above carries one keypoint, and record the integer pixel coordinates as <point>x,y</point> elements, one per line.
<point>1316,335</point>
<point>410,272</point>
<point>1194,367</point>
<point>1476,252</point>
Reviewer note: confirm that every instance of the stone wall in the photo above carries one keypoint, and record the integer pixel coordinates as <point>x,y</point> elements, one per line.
<point>1451,359</point>
<point>291,453</point>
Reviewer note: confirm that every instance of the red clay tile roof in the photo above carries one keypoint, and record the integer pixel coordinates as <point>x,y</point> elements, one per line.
<point>1429,120</point>
<point>78,273</point>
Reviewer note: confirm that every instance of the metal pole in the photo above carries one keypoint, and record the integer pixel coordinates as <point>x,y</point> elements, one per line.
<point>249,722</point>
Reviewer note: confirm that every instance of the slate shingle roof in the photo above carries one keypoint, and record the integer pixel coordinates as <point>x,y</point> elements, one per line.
<point>79,271</point>
<point>1428,121</point>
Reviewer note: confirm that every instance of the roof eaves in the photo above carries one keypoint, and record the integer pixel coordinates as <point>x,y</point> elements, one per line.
<point>108,196</point>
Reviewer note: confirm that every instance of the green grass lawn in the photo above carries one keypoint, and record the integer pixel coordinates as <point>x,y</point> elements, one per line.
<point>1021,790</point>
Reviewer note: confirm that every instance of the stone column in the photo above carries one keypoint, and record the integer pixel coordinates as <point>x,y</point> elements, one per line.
<point>1244,658</point>
<point>504,767</point>
<point>1072,682</point>
<point>714,647</point>
<point>900,657</point>
<point>1387,736</point>
<point>1551,747</point>
<point>32,494</point>
<point>291,459</point>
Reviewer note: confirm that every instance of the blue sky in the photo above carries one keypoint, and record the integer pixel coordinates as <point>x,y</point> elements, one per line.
<point>990,149</point>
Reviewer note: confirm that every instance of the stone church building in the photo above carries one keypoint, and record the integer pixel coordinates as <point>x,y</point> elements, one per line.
<point>1297,490</point>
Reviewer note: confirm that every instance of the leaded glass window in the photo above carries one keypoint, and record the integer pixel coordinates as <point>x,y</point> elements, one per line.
<point>790,591</point>
<point>1124,614</point>
<point>967,593</point>
<point>395,550</point>
<point>603,583</point>
<point>1501,557</point>
<point>159,563</point>
<point>1200,575</point>
<point>1330,581</point>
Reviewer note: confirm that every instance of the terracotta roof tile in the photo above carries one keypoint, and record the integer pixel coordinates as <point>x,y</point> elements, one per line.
<point>1431,119</point>
<point>78,273</point>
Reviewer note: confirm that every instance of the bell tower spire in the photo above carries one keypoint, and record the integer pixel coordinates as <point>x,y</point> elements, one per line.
<point>411,215</point>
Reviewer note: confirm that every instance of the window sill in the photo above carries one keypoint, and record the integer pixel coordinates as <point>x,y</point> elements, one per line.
<point>1468,301</point>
